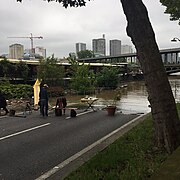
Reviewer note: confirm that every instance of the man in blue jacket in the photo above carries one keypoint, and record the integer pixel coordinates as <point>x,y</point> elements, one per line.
<point>43,97</point>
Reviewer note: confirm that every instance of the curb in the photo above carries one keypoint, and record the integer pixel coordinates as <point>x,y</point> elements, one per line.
<point>63,169</point>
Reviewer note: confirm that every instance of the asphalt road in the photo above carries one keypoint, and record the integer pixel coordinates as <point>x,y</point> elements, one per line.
<point>31,146</point>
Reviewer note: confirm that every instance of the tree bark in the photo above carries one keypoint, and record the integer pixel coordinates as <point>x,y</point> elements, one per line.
<point>163,107</point>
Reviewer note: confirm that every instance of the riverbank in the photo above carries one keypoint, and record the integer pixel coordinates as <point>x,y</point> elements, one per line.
<point>132,156</point>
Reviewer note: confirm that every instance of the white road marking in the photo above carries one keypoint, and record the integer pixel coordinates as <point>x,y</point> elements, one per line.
<point>24,131</point>
<point>60,166</point>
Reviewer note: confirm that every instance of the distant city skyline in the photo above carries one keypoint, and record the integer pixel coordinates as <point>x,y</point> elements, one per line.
<point>99,47</point>
<point>61,28</point>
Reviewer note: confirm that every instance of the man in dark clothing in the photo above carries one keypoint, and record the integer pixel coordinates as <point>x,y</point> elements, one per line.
<point>61,103</point>
<point>43,97</point>
<point>3,103</point>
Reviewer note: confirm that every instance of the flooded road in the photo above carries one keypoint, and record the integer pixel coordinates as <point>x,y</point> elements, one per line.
<point>133,97</point>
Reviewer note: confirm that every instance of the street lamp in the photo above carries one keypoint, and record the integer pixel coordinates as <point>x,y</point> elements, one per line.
<point>175,39</point>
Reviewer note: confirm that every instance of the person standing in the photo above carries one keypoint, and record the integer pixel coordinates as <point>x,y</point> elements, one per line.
<point>64,102</point>
<point>43,97</point>
<point>3,103</point>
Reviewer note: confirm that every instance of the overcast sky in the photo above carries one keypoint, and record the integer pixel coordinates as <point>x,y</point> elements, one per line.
<point>61,28</point>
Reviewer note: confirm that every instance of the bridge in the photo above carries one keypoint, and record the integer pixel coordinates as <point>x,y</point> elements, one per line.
<point>169,56</point>
<point>172,68</point>
<point>170,59</point>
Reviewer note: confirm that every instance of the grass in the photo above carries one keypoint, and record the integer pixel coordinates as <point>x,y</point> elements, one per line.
<point>132,156</point>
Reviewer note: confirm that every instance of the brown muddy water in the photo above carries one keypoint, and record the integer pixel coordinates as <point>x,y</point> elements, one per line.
<point>133,97</point>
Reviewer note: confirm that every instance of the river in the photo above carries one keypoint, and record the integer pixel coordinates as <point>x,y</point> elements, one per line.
<point>133,97</point>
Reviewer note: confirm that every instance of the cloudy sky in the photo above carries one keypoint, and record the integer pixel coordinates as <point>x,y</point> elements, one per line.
<point>61,28</point>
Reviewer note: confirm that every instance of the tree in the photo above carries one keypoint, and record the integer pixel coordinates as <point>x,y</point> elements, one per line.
<point>85,54</point>
<point>172,8</point>
<point>7,69</point>
<point>50,72</point>
<point>82,79</point>
<point>22,70</point>
<point>107,77</point>
<point>164,112</point>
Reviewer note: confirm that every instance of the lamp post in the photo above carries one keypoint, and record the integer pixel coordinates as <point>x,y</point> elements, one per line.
<point>175,39</point>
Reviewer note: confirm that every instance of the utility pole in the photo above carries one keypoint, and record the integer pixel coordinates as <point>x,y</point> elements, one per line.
<point>31,37</point>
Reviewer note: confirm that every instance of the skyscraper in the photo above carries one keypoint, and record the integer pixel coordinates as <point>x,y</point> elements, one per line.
<point>99,46</point>
<point>125,49</point>
<point>41,51</point>
<point>80,47</point>
<point>16,51</point>
<point>115,47</point>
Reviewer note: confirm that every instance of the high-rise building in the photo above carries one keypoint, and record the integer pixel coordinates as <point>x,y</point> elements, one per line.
<point>125,49</point>
<point>115,47</point>
<point>41,51</point>
<point>16,51</point>
<point>99,46</point>
<point>80,47</point>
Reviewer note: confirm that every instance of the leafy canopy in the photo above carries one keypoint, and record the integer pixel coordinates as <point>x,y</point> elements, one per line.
<point>66,3</point>
<point>107,78</point>
<point>50,72</point>
<point>172,8</point>
<point>83,79</point>
<point>84,54</point>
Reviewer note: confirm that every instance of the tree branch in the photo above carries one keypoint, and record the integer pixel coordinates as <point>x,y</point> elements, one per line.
<point>66,3</point>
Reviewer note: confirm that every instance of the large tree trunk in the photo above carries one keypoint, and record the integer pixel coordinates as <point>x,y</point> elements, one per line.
<point>163,107</point>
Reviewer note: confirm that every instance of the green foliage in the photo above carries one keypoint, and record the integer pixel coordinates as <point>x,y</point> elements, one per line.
<point>178,108</point>
<point>4,83</point>
<point>66,3</point>
<point>85,54</point>
<point>17,91</point>
<point>107,78</point>
<point>132,156</point>
<point>172,8</point>
<point>50,72</point>
<point>22,70</point>
<point>83,79</point>
<point>9,70</point>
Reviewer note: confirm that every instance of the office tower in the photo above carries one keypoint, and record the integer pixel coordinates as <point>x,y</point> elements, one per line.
<point>126,49</point>
<point>16,51</point>
<point>99,46</point>
<point>80,47</point>
<point>41,51</point>
<point>115,47</point>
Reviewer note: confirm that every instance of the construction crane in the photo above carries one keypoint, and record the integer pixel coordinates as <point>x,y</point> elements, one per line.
<point>31,38</point>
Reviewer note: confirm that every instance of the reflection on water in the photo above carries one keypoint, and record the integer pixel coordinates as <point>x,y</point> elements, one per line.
<point>175,86</point>
<point>133,96</point>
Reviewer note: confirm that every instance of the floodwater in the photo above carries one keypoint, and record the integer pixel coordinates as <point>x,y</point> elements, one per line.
<point>133,97</point>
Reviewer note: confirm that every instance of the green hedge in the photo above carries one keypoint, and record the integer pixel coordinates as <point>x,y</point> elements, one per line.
<point>17,91</point>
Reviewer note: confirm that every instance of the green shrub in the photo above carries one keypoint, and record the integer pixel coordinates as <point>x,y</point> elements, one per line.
<point>17,91</point>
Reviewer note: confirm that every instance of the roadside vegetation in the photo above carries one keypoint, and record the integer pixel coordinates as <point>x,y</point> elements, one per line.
<point>16,91</point>
<point>132,156</point>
